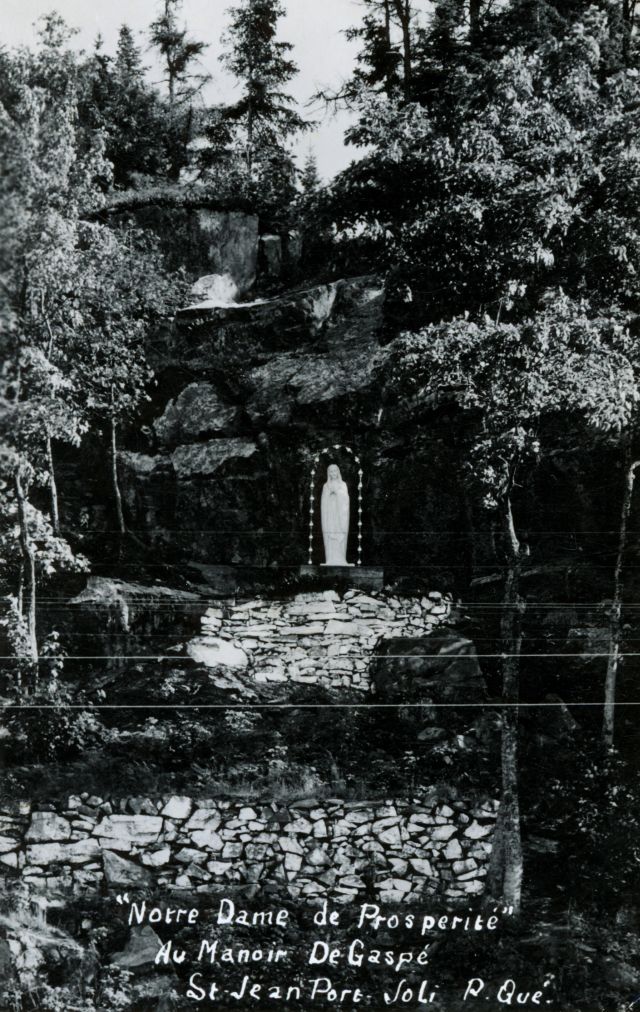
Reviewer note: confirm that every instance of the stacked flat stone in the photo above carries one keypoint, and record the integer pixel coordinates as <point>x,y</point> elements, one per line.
<point>330,848</point>
<point>315,639</point>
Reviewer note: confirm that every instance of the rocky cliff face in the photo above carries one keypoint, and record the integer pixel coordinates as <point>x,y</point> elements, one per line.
<point>199,239</point>
<point>246,395</point>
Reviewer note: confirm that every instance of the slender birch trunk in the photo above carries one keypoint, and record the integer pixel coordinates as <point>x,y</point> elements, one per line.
<point>53,488</point>
<point>615,619</point>
<point>29,569</point>
<point>114,475</point>
<point>507,863</point>
<point>20,591</point>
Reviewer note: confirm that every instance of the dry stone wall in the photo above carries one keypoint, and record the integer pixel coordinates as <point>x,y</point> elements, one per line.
<point>316,638</point>
<point>396,850</point>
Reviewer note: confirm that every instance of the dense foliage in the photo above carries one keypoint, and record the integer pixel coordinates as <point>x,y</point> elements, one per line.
<point>518,179</point>
<point>499,206</point>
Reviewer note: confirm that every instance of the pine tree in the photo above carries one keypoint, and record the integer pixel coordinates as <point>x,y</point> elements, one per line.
<point>310,177</point>
<point>179,52</point>
<point>98,88</point>
<point>263,65</point>
<point>311,221</point>
<point>379,60</point>
<point>128,65</point>
<point>137,117</point>
<point>387,34</point>
<point>115,99</point>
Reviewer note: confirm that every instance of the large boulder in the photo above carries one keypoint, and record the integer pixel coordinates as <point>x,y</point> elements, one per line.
<point>329,386</point>
<point>322,387</point>
<point>230,240</point>
<point>205,459</point>
<point>210,499</point>
<point>214,290</point>
<point>121,619</point>
<point>214,652</point>
<point>126,605</point>
<point>230,339</point>
<point>194,235</point>
<point>441,668</point>
<point>198,411</point>
<point>140,952</point>
<point>270,253</point>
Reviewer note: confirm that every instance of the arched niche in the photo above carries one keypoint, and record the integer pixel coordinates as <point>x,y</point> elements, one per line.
<point>315,466</point>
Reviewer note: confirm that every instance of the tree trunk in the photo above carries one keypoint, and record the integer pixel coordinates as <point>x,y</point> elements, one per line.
<point>632,13</point>
<point>171,74</point>
<point>29,563</point>
<point>20,591</point>
<point>114,476</point>
<point>53,488</point>
<point>250,128</point>
<point>508,865</point>
<point>475,8</point>
<point>615,622</point>
<point>628,22</point>
<point>470,534</point>
<point>403,10</point>
<point>389,62</point>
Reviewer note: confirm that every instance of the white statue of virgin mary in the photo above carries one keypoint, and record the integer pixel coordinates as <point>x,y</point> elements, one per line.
<point>334,512</point>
